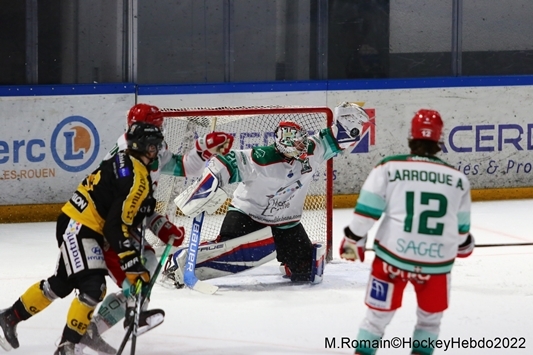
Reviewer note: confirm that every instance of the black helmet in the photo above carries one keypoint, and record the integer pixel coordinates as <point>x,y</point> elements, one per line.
<point>141,136</point>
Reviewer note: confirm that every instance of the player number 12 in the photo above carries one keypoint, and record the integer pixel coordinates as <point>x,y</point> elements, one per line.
<point>425,198</point>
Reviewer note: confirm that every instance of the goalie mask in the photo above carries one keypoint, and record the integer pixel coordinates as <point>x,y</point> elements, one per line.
<point>427,125</point>
<point>145,113</point>
<point>144,138</point>
<point>291,140</point>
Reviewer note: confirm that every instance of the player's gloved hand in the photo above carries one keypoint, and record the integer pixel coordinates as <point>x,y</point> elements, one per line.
<point>350,117</point>
<point>130,263</point>
<point>466,249</point>
<point>214,143</point>
<point>205,195</point>
<point>165,230</point>
<point>352,246</point>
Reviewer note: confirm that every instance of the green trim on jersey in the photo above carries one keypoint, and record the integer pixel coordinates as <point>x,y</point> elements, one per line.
<point>412,266</point>
<point>230,162</point>
<point>463,219</point>
<point>332,147</point>
<point>174,166</point>
<point>370,204</point>
<point>267,155</point>
<point>113,150</point>
<point>415,158</point>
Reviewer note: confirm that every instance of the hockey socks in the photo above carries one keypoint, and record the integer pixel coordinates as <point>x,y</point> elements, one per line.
<point>423,339</point>
<point>367,343</point>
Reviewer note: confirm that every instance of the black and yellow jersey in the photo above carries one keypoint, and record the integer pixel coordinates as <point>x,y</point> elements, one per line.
<point>113,198</point>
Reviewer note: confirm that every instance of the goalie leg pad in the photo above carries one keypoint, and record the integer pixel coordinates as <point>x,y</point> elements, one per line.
<point>317,266</point>
<point>314,271</point>
<point>229,257</point>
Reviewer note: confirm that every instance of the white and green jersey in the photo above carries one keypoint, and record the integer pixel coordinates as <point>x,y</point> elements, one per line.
<point>424,204</point>
<point>272,189</point>
<point>166,163</point>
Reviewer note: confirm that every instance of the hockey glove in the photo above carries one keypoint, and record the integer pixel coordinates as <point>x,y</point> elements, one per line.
<point>466,248</point>
<point>131,264</point>
<point>166,230</point>
<point>214,143</point>
<point>205,195</point>
<point>350,117</point>
<point>352,246</point>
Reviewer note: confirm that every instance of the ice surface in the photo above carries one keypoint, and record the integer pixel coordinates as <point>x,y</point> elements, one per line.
<point>260,313</point>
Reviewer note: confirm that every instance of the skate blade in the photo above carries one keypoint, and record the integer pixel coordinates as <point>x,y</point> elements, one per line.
<point>154,321</point>
<point>4,344</point>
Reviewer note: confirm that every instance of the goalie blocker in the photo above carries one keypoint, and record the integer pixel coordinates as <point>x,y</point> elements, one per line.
<point>202,196</point>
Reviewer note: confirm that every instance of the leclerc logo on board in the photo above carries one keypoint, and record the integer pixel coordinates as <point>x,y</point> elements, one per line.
<point>75,143</point>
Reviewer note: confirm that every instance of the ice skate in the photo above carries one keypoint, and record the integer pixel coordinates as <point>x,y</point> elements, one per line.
<point>93,340</point>
<point>8,323</point>
<point>148,320</point>
<point>68,348</point>
<point>174,274</point>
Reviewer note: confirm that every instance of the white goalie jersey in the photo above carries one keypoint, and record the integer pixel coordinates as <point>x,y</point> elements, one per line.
<point>425,205</point>
<point>272,189</point>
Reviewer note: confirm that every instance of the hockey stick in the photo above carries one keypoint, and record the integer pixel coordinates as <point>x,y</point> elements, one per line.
<point>189,278</point>
<point>132,329</point>
<point>502,245</point>
<point>488,245</point>
<point>164,257</point>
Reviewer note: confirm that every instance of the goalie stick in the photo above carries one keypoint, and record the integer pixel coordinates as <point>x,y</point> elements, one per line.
<point>189,278</point>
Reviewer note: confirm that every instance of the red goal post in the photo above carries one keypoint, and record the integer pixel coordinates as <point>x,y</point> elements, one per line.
<point>251,126</point>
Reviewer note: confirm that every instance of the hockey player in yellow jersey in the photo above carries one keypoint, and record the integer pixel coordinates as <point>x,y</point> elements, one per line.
<point>104,212</point>
<point>424,206</point>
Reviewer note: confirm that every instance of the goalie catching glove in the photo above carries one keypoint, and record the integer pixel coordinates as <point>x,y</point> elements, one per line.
<point>205,195</point>
<point>352,246</point>
<point>214,143</point>
<point>165,230</point>
<point>350,119</point>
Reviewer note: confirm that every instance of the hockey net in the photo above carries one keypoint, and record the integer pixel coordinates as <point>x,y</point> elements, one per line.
<point>251,126</point>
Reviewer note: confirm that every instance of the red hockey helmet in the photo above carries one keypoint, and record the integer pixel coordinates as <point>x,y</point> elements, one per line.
<point>426,124</point>
<point>145,113</point>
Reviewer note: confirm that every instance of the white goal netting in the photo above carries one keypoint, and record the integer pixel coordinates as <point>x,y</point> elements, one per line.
<point>251,126</point>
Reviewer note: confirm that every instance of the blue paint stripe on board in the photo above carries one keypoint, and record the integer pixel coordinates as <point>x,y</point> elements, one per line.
<point>284,86</point>
<point>336,85</point>
<point>64,90</point>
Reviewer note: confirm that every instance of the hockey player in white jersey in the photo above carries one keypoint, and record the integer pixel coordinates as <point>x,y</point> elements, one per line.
<point>263,220</point>
<point>424,206</point>
<point>192,163</point>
